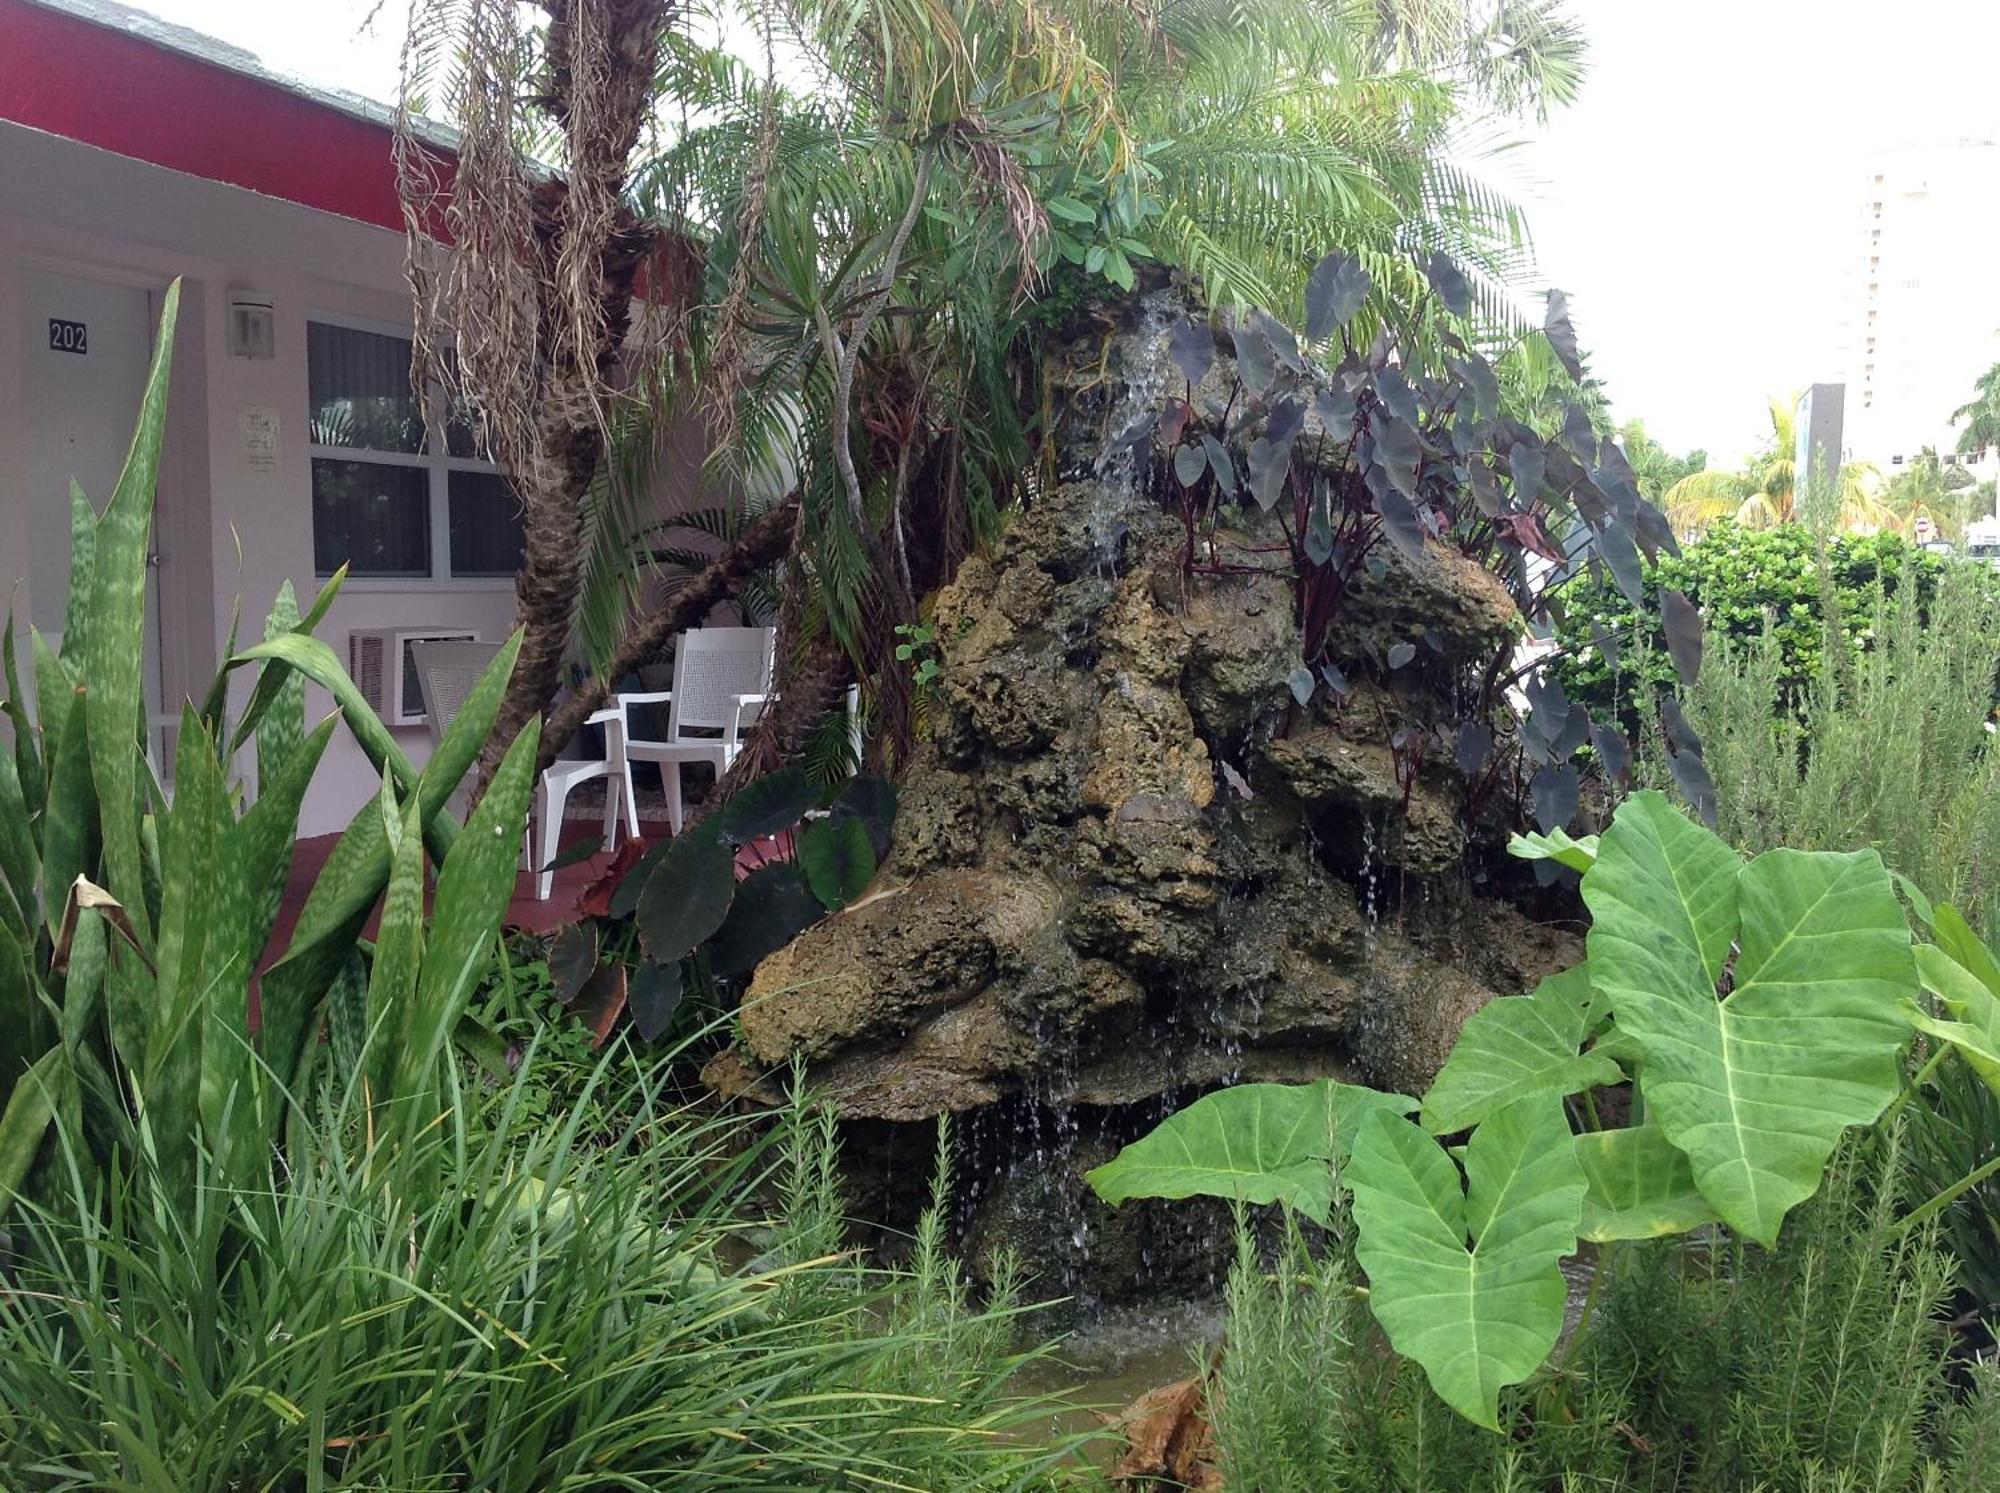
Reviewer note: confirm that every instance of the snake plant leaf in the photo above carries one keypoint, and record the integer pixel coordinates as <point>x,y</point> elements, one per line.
<point>473,887</point>
<point>83,976</point>
<point>389,1016</point>
<point>69,820</point>
<point>55,681</point>
<point>20,860</point>
<point>26,1118</point>
<point>261,843</point>
<point>1466,1277</point>
<point>467,734</point>
<point>21,1014</point>
<point>1974,1029</point>
<point>354,874</point>
<point>1579,853</point>
<point>1517,1046</point>
<point>1254,1143</point>
<point>312,658</point>
<point>27,745</point>
<point>188,969</point>
<point>283,726</point>
<point>82,565</point>
<point>1756,1087</point>
<point>115,646</point>
<point>274,678</point>
<point>1641,1186</point>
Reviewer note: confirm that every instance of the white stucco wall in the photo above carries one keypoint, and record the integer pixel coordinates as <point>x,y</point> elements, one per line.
<point>88,213</point>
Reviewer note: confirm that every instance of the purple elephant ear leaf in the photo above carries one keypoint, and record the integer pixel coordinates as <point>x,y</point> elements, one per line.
<point>1192,348</point>
<point>1335,292</point>
<point>1555,791</point>
<point>1449,281</point>
<point>1562,336</point>
<point>1683,629</point>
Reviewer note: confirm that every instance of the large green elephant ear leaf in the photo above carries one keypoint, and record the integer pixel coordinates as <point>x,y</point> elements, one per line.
<point>1467,1279</point>
<point>1255,1143</point>
<point>1579,854</point>
<point>1974,1027</point>
<point>1641,1186</point>
<point>1515,1047</point>
<point>1755,1088</point>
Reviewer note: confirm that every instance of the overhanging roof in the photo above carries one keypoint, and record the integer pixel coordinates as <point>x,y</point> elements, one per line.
<point>116,78</point>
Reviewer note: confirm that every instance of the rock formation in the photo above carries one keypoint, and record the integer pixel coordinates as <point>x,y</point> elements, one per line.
<point>1128,865</point>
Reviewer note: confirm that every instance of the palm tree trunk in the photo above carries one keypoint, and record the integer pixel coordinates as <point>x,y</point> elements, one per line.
<point>586,254</point>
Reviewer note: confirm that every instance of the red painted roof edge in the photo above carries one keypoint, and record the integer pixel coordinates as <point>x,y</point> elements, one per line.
<point>90,81</point>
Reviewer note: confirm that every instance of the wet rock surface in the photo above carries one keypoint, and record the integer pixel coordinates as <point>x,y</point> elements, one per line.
<point>1129,867</point>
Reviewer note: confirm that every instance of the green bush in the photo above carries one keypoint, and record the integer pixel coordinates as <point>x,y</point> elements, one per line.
<point>1746,583</point>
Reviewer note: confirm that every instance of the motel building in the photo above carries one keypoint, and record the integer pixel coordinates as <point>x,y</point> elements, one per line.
<point>293,444</point>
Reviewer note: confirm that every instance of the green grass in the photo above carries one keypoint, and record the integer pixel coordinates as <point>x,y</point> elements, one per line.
<point>554,1314</point>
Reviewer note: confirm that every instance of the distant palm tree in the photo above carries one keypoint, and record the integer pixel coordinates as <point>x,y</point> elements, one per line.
<point>1947,496</point>
<point>1766,493</point>
<point>1981,414</point>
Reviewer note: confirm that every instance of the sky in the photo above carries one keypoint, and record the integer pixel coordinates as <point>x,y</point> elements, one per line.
<point>1698,203</point>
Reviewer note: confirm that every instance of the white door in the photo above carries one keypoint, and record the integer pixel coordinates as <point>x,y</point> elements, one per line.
<point>85,344</point>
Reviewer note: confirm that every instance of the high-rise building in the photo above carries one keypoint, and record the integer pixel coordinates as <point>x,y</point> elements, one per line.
<point>1924,319</point>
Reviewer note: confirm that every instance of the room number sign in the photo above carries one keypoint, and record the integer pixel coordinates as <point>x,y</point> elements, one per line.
<point>68,336</point>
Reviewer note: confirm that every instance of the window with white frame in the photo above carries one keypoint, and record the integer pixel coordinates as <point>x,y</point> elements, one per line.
<point>400,488</point>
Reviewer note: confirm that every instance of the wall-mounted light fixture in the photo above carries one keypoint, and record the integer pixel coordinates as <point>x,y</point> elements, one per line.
<point>253,325</point>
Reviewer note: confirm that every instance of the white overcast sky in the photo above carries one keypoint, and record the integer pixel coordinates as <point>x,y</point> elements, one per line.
<point>1698,203</point>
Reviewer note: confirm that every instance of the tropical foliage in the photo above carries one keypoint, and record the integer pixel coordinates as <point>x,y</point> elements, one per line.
<point>1948,496</point>
<point>683,917</point>
<point>1765,494</point>
<point>1759,1010</point>
<point>134,919</point>
<point>1980,415</point>
<point>884,225</point>
<point>1691,1370</point>
<point>233,1244</point>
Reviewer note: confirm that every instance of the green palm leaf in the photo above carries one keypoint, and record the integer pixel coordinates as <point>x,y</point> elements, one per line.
<point>1466,1277</point>
<point>1756,1087</point>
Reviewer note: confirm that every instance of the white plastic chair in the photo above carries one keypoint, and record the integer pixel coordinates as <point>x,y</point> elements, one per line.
<point>446,673</point>
<point>722,680</point>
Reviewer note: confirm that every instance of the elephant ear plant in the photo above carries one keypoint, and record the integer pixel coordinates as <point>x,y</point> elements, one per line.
<point>133,918</point>
<point>1758,1009</point>
<point>680,919</point>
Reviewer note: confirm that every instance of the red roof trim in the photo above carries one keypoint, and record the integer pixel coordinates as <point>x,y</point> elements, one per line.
<point>91,83</point>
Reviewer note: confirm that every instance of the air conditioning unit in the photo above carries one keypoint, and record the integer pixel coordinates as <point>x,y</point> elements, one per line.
<point>378,659</point>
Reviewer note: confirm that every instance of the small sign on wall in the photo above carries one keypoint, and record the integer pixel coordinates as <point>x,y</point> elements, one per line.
<point>68,336</point>
<point>257,433</point>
